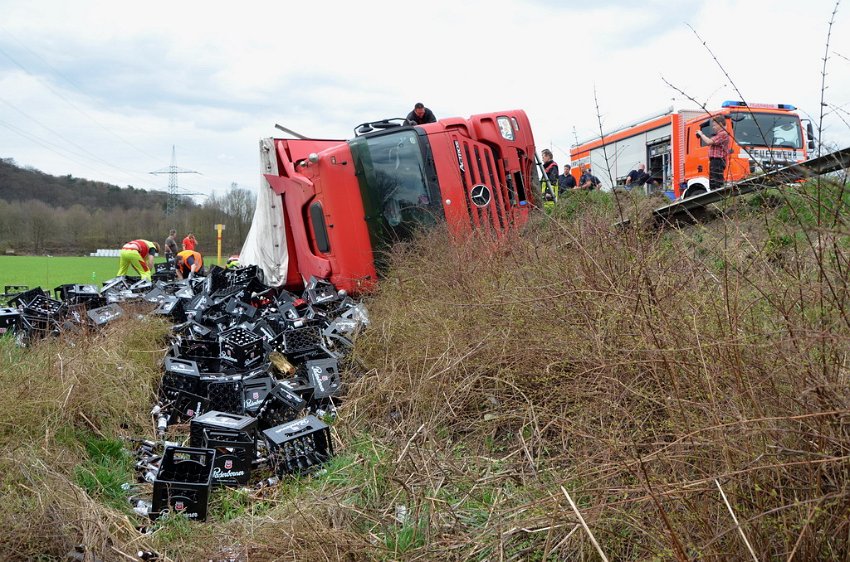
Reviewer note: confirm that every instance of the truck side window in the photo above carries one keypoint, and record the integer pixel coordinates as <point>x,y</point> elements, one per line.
<point>707,131</point>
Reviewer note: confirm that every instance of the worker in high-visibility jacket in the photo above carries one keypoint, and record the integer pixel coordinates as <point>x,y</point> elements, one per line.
<point>232,262</point>
<point>188,263</point>
<point>139,255</point>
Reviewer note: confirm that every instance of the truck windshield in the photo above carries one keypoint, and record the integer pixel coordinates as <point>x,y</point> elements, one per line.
<point>393,171</point>
<point>767,129</point>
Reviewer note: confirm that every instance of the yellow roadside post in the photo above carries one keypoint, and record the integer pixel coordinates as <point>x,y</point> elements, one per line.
<point>218,229</point>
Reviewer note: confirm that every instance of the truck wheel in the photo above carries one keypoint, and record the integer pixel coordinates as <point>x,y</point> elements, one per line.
<point>696,189</point>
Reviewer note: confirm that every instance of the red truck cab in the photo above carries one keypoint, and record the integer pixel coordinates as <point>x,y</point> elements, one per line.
<point>345,202</point>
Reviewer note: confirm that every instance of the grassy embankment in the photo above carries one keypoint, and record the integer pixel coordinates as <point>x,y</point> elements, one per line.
<point>666,382</point>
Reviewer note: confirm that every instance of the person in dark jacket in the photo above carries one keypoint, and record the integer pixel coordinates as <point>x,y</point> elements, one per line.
<point>637,178</point>
<point>550,166</point>
<point>420,115</point>
<point>588,181</point>
<point>566,181</point>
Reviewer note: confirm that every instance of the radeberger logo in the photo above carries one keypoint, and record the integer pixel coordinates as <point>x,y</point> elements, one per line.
<point>220,474</point>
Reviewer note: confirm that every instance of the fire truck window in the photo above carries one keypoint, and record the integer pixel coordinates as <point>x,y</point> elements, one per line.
<point>707,131</point>
<point>767,129</point>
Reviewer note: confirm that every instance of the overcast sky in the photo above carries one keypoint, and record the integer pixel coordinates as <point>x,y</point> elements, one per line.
<point>102,90</point>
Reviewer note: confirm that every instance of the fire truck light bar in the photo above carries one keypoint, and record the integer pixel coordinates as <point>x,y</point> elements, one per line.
<point>733,103</point>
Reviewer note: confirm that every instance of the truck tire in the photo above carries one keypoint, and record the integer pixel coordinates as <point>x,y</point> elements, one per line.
<point>696,189</point>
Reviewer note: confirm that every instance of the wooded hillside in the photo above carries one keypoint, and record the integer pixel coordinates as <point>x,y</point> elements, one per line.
<point>41,213</point>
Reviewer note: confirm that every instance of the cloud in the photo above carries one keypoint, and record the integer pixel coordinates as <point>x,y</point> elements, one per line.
<point>125,82</point>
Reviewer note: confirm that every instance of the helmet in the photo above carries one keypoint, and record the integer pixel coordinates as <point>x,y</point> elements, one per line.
<point>232,261</point>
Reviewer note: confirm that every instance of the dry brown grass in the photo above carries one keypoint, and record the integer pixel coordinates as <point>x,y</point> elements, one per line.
<point>637,370</point>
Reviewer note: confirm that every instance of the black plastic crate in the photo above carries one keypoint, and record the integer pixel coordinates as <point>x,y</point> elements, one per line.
<point>170,305</point>
<point>183,482</point>
<point>220,420</point>
<point>282,405</point>
<point>155,295</point>
<point>242,310</point>
<point>300,341</point>
<point>255,391</point>
<point>77,293</point>
<point>75,315</point>
<point>237,292</point>
<point>319,291</point>
<point>266,329</point>
<point>184,405</point>
<point>181,374</point>
<point>23,297</point>
<point>198,304</point>
<point>10,320</point>
<point>215,280</point>
<point>193,348</point>
<point>234,451</point>
<point>226,395</point>
<point>105,314</point>
<point>324,377</point>
<point>242,275</point>
<point>38,327</point>
<point>299,446</point>
<point>241,347</point>
<point>299,384</point>
<point>43,306</point>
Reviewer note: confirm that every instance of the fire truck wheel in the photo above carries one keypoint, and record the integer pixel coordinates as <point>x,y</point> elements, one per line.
<point>695,190</point>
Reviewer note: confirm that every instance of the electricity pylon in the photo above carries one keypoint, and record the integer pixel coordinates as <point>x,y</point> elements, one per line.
<point>172,171</point>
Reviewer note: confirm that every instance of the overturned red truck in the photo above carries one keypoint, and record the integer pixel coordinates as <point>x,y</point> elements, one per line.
<point>327,208</point>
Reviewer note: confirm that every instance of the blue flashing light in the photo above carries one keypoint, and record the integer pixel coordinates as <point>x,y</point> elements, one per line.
<point>735,103</point>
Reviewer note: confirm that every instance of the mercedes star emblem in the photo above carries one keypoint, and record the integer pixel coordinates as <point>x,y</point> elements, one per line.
<point>480,195</point>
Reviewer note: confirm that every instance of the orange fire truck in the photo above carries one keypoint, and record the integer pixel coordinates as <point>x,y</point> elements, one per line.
<point>764,137</point>
<point>329,208</point>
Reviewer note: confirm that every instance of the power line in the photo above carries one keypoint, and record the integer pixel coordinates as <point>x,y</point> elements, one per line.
<point>90,154</point>
<point>172,172</point>
<point>54,148</point>
<point>66,100</point>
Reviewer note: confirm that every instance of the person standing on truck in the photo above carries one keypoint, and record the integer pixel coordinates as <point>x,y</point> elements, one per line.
<point>588,181</point>
<point>637,178</point>
<point>718,151</point>
<point>139,255</point>
<point>170,246</point>
<point>566,181</point>
<point>420,115</point>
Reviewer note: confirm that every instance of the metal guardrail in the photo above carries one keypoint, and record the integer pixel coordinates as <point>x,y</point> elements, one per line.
<point>688,209</point>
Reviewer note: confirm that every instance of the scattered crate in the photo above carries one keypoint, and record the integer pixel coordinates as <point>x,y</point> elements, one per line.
<point>183,482</point>
<point>299,446</point>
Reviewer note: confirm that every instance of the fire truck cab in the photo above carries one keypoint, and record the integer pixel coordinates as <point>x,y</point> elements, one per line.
<point>764,137</point>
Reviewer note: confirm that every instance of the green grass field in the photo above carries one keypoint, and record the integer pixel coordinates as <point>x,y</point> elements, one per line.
<point>49,272</point>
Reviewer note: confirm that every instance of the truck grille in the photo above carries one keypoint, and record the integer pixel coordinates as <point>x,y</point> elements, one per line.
<point>480,167</point>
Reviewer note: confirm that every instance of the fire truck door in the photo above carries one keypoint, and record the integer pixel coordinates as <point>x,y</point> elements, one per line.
<point>658,159</point>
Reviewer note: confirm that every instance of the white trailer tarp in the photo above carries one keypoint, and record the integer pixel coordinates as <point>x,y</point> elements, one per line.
<point>265,244</point>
